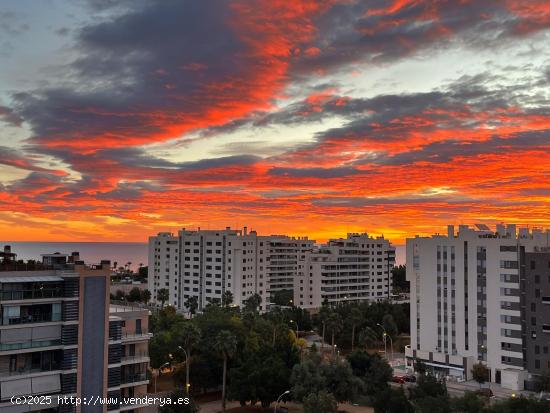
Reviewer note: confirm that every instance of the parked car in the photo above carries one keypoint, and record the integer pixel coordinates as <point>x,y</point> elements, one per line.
<point>398,379</point>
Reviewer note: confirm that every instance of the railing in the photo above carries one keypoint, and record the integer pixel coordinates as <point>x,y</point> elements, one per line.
<point>19,372</point>
<point>31,294</point>
<point>135,333</point>
<point>29,344</point>
<point>38,318</point>
<point>137,356</point>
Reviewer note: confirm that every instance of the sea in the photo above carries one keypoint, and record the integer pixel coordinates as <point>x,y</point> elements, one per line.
<point>94,252</point>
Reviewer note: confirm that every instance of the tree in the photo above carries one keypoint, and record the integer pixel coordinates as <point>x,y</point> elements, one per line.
<point>373,370</point>
<point>392,401</point>
<point>428,386</point>
<point>339,379</point>
<point>119,295</point>
<point>321,402</point>
<point>163,295</point>
<point>192,305</point>
<point>324,313</point>
<point>480,373</point>
<point>134,295</point>
<point>389,325</point>
<point>188,336</point>
<point>367,337</point>
<point>469,403</point>
<point>283,297</point>
<point>146,296</point>
<point>306,377</point>
<point>227,299</point>
<point>399,277</point>
<point>252,304</point>
<point>226,344</point>
<point>176,407</point>
<point>334,325</point>
<point>355,317</point>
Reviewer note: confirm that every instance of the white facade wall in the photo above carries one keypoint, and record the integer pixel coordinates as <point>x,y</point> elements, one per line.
<point>465,295</point>
<point>206,263</point>
<point>356,268</point>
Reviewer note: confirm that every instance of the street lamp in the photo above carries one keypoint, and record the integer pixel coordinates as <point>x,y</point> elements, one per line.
<point>186,369</point>
<point>297,332</point>
<point>384,335</point>
<point>158,373</point>
<point>279,399</point>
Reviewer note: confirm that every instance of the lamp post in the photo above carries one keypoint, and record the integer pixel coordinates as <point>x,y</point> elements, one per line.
<point>297,331</point>
<point>384,338</point>
<point>279,399</point>
<point>186,368</point>
<point>158,373</point>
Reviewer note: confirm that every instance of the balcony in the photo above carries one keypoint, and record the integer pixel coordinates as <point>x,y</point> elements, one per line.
<point>136,336</point>
<point>29,370</point>
<point>31,294</point>
<point>136,358</point>
<point>29,344</point>
<point>31,318</point>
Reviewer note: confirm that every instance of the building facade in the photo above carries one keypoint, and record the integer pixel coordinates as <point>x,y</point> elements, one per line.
<point>466,300</point>
<point>56,336</point>
<point>352,269</point>
<point>535,279</point>
<point>207,263</point>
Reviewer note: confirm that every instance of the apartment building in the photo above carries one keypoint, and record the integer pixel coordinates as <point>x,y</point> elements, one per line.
<point>58,337</point>
<point>285,260</point>
<point>207,263</point>
<point>535,280</point>
<point>352,269</point>
<point>466,300</point>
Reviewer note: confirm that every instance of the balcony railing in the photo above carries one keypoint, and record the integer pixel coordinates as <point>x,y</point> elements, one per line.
<point>135,357</point>
<point>29,344</point>
<point>34,318</point>
<point>29,370</point>
<point>7,295</point>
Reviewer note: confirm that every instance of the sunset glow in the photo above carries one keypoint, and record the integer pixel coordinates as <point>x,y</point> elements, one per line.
<point>122,119</point>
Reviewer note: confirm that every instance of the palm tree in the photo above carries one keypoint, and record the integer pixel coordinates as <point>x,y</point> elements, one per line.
<point>355,317</point>
<point>189,336</point>
<point>334,325</point>
<point>367,336</point>
<point>192,304</point>
<point>324,312</point>
<point>226,344</point>
<point>227,299</point>
<point>146,296</point>
<point>163,295</point>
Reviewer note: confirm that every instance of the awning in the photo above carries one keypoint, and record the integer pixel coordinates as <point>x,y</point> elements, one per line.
<point>34,279</point>
<point>443,366</point>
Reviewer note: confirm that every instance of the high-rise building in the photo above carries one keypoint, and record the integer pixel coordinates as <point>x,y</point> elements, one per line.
<point>59,337</point>
<point>352,269</point>
<point>207,263</point>
<point>285,260</point>
<point>535,280</point>
<point>466,300</point>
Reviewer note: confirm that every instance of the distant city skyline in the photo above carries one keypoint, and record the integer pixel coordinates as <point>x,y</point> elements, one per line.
<point>120,119</point>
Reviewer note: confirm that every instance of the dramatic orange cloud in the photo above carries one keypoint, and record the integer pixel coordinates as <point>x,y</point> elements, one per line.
<point>244,113</point>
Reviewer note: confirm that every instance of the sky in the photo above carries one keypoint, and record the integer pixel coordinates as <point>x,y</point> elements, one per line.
<point>123,118</point>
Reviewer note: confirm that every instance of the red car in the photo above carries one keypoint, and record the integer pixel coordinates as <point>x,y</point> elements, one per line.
<point>398,379</point>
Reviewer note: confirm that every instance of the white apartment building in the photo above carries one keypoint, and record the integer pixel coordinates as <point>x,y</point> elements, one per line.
<point>465,300</point>
<point>285,258</point>
<point>356,268</point>
<point>206,263</point>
